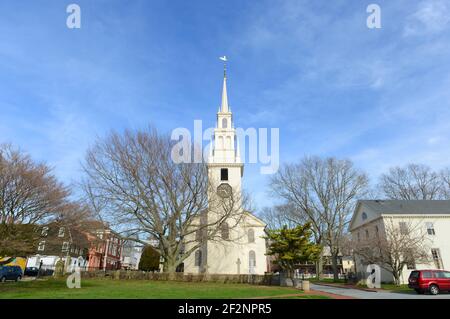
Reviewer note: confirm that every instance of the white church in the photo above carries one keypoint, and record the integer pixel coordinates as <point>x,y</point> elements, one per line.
<point>240,246</point>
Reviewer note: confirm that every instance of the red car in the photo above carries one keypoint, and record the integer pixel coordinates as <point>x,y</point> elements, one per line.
<point>433,281</point>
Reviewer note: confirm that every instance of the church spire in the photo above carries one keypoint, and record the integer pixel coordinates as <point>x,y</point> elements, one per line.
<point>224,106</point>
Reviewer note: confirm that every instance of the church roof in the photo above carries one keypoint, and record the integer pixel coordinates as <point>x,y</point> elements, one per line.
<point>258,220</point>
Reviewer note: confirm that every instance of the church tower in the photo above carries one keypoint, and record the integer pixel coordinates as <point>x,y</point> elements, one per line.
<point>224,163</point>
<point>239,247</point>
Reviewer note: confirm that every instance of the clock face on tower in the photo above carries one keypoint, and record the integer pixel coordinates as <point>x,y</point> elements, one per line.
<point>224,190</point>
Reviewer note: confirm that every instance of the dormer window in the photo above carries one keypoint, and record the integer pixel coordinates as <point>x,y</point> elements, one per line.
<point>364,216</point>
<point>44,232</point>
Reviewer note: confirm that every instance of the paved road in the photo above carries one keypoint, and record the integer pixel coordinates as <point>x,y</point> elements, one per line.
<point>361,294</point>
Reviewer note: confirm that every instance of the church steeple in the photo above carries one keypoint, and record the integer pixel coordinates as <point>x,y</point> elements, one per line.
<point>225,139</point>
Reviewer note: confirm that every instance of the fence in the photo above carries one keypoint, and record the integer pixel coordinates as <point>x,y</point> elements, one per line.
<point>268,279</point>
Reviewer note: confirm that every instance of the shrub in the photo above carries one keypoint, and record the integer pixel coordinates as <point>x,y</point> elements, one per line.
<point>149,259</point>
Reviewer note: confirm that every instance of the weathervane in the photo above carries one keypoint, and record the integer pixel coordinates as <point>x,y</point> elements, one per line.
<point>224,59</point>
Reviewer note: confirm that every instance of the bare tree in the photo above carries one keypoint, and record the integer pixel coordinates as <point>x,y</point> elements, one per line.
<point>445,176</point>
<point>135,185</point>
<point>278,216</point>
<point>395,247</point>
<point>413,182</point>
<point>29,192</point>
<point>29,195</point>
<point>324,192</point>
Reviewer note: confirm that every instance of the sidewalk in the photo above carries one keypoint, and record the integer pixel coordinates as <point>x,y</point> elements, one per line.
<point>346,286</point>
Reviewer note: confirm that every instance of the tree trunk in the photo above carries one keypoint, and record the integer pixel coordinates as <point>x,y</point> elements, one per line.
<point>319,267</point>
<point>396,276</point>
<point>170,265</point>
<point>334,265</point>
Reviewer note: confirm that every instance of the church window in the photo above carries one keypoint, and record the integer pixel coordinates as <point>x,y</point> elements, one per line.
<point>252,258</point>
<point>224,123</point>
<point>198,235</point>
<point>228,146</point>
<point>251,235</point>
<point>225,231</point>
<point>224,174</point>
<point>198,258</point>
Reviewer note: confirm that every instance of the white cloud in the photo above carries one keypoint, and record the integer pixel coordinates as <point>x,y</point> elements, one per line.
<point>431,16</point>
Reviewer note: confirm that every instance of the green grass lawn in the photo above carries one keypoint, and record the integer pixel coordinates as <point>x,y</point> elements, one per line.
<point>107,288</point>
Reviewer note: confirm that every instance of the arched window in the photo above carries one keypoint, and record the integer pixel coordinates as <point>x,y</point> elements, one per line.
<point>251,235</point>
<point>251,260</point>
<point>224,123</point>
<point>228,146</point>
<point>198,258</point>
<point>225,231</point>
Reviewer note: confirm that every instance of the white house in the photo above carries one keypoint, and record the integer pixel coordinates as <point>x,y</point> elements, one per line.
<point>131,255</point>
<point>430,217</point>
<point>242,248</point>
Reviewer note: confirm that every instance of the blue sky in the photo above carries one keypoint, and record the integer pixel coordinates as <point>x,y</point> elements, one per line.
<point>380,97</point>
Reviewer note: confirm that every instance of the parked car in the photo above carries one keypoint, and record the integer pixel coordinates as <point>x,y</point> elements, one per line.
<point>31,271</point>
<point>433,281</point>
<point>10,273</point>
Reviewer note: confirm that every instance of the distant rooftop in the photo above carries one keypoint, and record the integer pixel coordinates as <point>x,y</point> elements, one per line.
<point>407,207</point>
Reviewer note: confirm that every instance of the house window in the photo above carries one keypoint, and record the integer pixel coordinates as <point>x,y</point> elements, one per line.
<point>359,237</point>
<point>251,235</point>
<point>65,246</point>
<point>367,234</point>
<point>436,253</point>
<point>403,228</point>
<point>410,263</point>
<point>198,258</point>
<point>430,229</point>
<point>41,246</point>
<point>61,232</point>
<point>224,174</point>
<point>376,230</point>
<point>44,231</point>
<point>225,231</point>
<point>364,216</point>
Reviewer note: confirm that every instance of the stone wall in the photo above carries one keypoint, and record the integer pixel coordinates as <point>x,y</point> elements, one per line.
<point>267,279</point>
